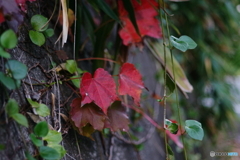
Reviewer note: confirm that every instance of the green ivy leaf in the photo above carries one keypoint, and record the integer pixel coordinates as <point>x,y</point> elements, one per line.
<point>170,151</point>
<point>21,119</point>
<point>172,127</point>
<point>33,103</point>
<point>35,140</point>
<point>12,107</point>
<point>194,129</point>
<point>181,45</point>
<point>29,156</point>
<point>37,37</point>
<point>9,82</point>
<point>71,66</point>
<point>170,84</point>
<point>59,149</point>
<point>49,32</point>
<point>76,81</point>
<point>4,54</point>
<point>8,39</point>
<point>53,137</point>
<point>41,129</point>
<point>189,41</point>
<point>17,69</point>
<point>48,153</point>
<point>41,109</point>
<point>38,21</point>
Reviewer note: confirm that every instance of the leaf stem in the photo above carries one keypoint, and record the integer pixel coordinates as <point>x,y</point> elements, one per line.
<point>165,79</point>
<point>98,58</point>
<point>177,99</point>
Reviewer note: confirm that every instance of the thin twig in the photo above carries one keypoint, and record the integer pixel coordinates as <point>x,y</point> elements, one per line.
<point>70,156</point>
<point>67,100</point>
<point>74,36</point>
<point>79,151</point>
<point>111,148</point>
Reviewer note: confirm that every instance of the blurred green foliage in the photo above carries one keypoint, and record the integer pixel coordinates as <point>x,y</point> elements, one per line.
<point>214,26</point>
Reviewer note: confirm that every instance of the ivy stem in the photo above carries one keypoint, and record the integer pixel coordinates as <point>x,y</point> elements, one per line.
<point>98,58</point>
<point>176,89</point>
<point>165,79</point>
<point>79,151</point>
<point>74,37</point>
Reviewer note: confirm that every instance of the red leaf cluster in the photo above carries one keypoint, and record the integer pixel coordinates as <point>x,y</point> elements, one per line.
<point>90,117</point>
<point>145,14</point>
<point>130,82</point>
<point>100,89</point>
<point>99,104</point>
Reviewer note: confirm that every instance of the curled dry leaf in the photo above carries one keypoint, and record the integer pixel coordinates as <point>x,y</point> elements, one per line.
<point>157,48</point>
<point>100,89</point>
<point>130,82</point>
<point>71,17</point>
<point>65,22</point>
<point>145,13</point>
<point>35,118</point>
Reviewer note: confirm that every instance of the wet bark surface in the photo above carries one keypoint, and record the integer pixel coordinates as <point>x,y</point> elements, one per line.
<point>40,84</point>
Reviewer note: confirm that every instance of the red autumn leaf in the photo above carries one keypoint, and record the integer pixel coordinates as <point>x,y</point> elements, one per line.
<point>11,10</point>
<point>130,82</point>
<point>22,4</point>
<point>100,89</point>
<point>117,117</point>
<point>145,14</point>
<point>2,19</point>
<point>88,114</point>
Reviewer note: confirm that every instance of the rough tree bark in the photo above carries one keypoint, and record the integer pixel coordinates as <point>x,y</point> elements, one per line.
<point>16,139</point>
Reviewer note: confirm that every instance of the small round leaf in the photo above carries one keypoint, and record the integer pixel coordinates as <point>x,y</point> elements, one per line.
<point>49,153</point>
<point>76,81</point>
<point>12,107</point>
<point>4,54</point>
<point>38,21</point>
<point>9,82</point>
<point>29,156</point>
<point>49,32</point>
<point>42,110</point>
<point>53,137</point>
<point>194,129</point>
<point>71,66</point>
<point>181,45</point>
<point>8,39</point>
<point>189,41</point>
<point>41,129</point>
<point>21,119</point>
<point>18,69</point>
<point>37,37</point>
<point>35,140</point>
